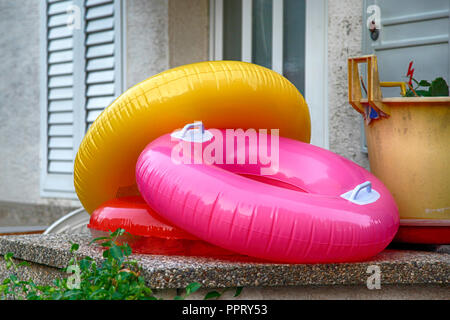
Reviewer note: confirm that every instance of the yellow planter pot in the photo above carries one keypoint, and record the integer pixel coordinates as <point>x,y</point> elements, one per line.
<point>409,150</point>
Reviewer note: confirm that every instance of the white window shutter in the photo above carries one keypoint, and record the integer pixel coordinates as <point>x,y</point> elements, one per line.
<point>57,100</point>
<point>103,56</point>
<point>81,75</point>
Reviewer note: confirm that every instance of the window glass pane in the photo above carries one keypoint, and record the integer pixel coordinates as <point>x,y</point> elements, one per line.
<point>262,33</point>
<point>294,42</point>
<point>232,24</point>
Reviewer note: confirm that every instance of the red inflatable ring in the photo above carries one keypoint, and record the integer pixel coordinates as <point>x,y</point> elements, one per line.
<point>147,232</point>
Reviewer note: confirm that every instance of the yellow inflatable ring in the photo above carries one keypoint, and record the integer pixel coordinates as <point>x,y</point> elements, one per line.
<point>221,94</point>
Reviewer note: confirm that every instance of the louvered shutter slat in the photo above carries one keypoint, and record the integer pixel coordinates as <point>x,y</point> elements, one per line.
<point>91,3</point>
<point>60,166</point>
<point>100,25</point>
<point>58,7</point>
<point>60,142</point>
<point>60,93</point>
<point>100,51</point>
<point>100,64</point>
<point>100,90</point>
<point>60,32</point>
<point>92,115</point>
<point>60,154</point>
<point>58,20</point>
<point>100,12</point>
<point>100,76</point>
<point>60,117</point>
<point>99,103</point>
<point>61,44</point>
<point>59,69</point>
<point>60,130</point>
<point>60,105</point>
<point>61,56</point>
<point>60,81</point>
<point>100,37</point>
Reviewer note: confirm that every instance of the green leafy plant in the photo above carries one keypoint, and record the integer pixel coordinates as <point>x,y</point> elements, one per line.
<point>216,295</point>
<point>117,277</point>
<point>438,87</point>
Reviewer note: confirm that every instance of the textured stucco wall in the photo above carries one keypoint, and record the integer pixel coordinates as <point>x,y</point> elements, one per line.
<point>146,39</point>
<point>188,31</point>
<point>344,41</point>
<point>19,101</point>
<point>19,104</point>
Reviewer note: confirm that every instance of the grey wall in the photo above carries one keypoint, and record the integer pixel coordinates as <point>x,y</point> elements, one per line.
<point>19,101</point>
<point>188,31</point>
<point>146,39</point>
<point>162,34</point>
<point>344,41</point>
<point>19,104</point>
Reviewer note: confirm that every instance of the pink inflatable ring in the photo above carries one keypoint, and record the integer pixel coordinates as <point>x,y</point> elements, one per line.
<point>309,206</point>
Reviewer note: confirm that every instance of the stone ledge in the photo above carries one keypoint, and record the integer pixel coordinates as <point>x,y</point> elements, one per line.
<point>21,214</point>
<point>398,267</point>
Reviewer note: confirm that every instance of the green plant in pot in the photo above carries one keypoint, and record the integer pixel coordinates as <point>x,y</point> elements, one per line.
<point>437,88</point>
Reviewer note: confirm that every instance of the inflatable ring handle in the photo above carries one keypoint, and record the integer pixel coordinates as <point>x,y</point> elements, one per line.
<point>205,134</point>
<point>192,126</point>
<point>365,185</point>
<point>369,197</point>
